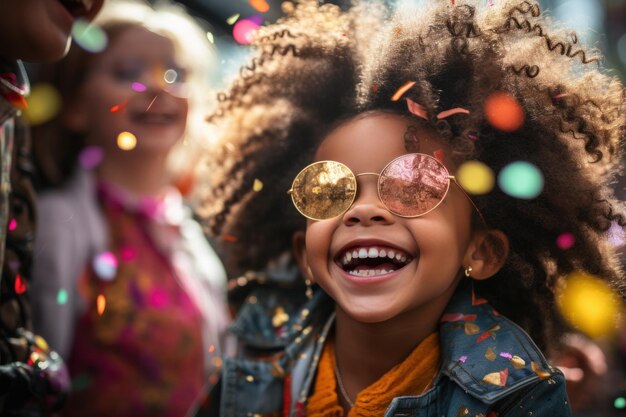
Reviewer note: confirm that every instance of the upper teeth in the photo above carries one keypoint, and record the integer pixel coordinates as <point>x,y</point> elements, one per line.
<point>373,252</point>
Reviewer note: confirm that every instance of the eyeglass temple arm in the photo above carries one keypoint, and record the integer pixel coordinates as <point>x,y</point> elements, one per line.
<point>453,179</point>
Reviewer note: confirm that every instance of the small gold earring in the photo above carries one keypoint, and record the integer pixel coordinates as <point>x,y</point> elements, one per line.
<point>309,289</point>
<point>468,271</point>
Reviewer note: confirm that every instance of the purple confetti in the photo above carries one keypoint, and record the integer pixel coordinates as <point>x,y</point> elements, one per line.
<point>138,87</point>
<point>90,157</point>
<point>506,355</point>
<point>463,358</point>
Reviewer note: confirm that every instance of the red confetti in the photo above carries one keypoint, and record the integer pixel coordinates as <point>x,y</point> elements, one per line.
<point>438,154</point>
<point>504,112</point>
<point>457,317</point>
<point>476,301</point>
<point>119,107</point>
<point>374,88</point>
<point>20,285</point>
<point>229,238</point>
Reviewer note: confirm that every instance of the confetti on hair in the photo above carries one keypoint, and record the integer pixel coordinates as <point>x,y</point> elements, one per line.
<point>62,297</point>
<point>12,224</point>
<point>416,109</point>
<point>126,141</point>
<point>244,30</point>
<point>456,110</point>
<point>229,238</point>
<point>260,6</point>
<point>20,285</point>
<point>257,186</point>
<point>565,241</point>
<point>589,304</point>
<point>504,112</point>
<point>374,88</point>
<point>616,235</point>
<point>475,177</point>
<point>560,96</point>
<point>105,266</point>
<point>101,303</point>
<point>396,96</point>
<point>521,179</point>
<point>439,155</point>
<point>472,136</point>
<point>232,19</point>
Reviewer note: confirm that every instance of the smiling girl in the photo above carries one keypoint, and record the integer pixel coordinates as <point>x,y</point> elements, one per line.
<point>428,301</point>
<point>126,286</point>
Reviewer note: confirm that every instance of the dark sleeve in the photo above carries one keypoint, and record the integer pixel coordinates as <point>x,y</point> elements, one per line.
<point>546,398</point>
<point>209,404</point>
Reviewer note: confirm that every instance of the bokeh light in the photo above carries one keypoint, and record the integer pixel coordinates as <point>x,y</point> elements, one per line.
<point>62,296</point>
<point>257,186</point>
<point>565,240</point>
<point>44,103</point>
<point>244,30</point>
<point>12,225</point>
<point>126,141</point>
<point>260,6</point>
<point>101,303</point>
<point>89,36</point>
<point>521,179</point>
<point>138,87</point>
<point>105,266</point>
<point>170,76</point>
<point>589,305</point>
<point>232,19</point>
<point>90,157</point>
<point>503,112</point>
<point>475,177</point>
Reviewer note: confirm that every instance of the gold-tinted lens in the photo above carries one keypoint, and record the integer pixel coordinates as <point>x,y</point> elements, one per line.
<point>323,190</point>
<point>413,184</point>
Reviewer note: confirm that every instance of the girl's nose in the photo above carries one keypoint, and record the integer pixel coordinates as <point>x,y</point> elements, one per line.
<point>367,209</point>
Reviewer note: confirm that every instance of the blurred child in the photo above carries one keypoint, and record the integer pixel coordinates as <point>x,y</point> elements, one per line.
<point>33,379</point>
<point>431,301</point>
<point>126,286</point>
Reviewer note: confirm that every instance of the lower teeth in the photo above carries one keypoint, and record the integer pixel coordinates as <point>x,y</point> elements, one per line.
<point>369,272</point>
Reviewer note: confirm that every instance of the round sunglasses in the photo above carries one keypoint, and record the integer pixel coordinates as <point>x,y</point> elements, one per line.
<point>409,186</point>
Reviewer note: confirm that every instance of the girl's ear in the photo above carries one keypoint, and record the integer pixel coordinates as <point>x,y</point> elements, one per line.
<point>486,253</point>
<point>298,247</point>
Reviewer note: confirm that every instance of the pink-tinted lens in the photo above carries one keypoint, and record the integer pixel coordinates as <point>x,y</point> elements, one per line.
<point>413,184</point>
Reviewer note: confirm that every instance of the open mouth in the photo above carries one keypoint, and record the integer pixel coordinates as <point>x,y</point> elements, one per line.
<point>369,261</point>
<point>77,8</point>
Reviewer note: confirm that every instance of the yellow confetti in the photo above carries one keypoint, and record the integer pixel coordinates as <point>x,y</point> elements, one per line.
<point>126,141</point>
<point>589,305</point>
<point>280,317</point>
<point>475,177</point>
<point>44,104</point>
<point>257,186</point>
<point>210,37</point>
<point>396,96</point>
<point>101,303</point>
<point>490,354</point>
<point>41,343</point>
<point>471,328</point>
<point>249,378</point>
<point>463,411</point>
<point>540,372</point>
<point>518,363</point>
<point>232,19</point>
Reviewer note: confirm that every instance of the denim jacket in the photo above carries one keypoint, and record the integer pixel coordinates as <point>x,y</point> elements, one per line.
<point>489,366</point>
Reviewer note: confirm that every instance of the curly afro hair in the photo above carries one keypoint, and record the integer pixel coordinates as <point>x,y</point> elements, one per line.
<point>319,66</point>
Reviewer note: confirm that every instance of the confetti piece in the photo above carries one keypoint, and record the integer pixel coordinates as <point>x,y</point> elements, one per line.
<point>90,157</point>
<point>127,253</point>
<point>616,235</point>
<point>506,355</point>
<point>119,107</point>
<point>396,96</point>
<point>439,155</point>
<point>565,241</point>
<point>257,186</point>
<point>497,378</point>
<point>138,87</point>
<point>416,109</point>
<point>589,305</point>
<point>244,30</point>
<point>471,329</point>
<point>518,363</point>
<point>232,19</point>
<point>260,6</point>
<point>151,103</point>
<point>448,113</point>
<point>476,301</point>
<point>463,358</point>
<point>463,411</point>
<point>280,317</point>
<point>457,317</point>
<point>20,285</point>
<point>41,343</point>
<point>521,179</point>
<point>126,141</point>
<point>12,225</point>
<point>540,372</point>
<point>503,112</point>
<point>229,238</point>
<point>212,348</point>
<point>101,303</point>
<point>43,104</point>
<point>374,88</point>
<point>475,177</point>
<point>105,266</point>
<point>210,37</point>
<point>489,332</point>
<point>62,297</point>
<point>490,354</point>
<point>88,36</point>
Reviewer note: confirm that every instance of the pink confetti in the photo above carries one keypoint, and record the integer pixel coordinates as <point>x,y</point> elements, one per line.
<point>138,87</point>
<point>463,358</point>
<point>438,154</point>
<point>12,224</point>
<point>506,355</point>
<point>90,157</point>
<point>417,109</point>
<point>127,253</point>
<point>565,241</point>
